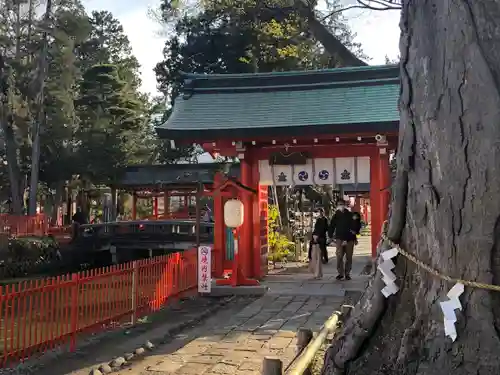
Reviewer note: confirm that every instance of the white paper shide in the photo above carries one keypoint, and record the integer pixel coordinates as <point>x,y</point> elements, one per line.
<point>388,277</point>
<point>449,307</point>
<point>204,269</point>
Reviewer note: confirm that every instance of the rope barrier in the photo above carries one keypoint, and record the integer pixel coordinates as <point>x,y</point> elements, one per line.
<point>433,271</point>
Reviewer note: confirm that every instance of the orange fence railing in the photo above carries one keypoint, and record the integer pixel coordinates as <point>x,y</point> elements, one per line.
<point>39,225</point>
<point>16,226</point>
<point>174,216</point>
<point>61,234</point>
<point>39,315</point>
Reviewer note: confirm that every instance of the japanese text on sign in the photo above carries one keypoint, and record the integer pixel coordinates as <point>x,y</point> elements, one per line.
<point>204,269</point>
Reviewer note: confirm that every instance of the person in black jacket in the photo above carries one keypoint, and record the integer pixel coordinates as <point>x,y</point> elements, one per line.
<point>344,227</point>
<point>78,219</point>
<point>319,235</point>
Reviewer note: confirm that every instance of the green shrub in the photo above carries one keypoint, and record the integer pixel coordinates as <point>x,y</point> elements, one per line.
<point>26,256</point>
<point>279,245</point>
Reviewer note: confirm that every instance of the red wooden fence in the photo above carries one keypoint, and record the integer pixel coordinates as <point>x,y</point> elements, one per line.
<point>39,225</point>
<point>16,226</point>
<point>39,315</point>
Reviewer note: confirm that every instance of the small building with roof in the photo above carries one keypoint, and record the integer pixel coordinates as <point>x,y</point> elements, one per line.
<point>325,127</point>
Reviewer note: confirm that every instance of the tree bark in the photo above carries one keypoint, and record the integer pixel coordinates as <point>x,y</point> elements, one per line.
<point>11,148</point>
<point>445,204</point>
<point>40,111</point>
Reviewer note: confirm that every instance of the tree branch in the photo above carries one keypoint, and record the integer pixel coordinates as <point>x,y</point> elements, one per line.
<point>330,42</point>
<point>362,4</point>
<point>380,4</point>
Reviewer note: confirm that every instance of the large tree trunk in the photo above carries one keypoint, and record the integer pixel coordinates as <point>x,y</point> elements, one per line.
<point>39,121</point>
<point>446,201</point>
<point>15,175</point>
<point>6,125</point>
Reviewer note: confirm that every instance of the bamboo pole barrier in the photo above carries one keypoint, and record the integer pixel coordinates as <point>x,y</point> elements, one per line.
<point>301,365</point>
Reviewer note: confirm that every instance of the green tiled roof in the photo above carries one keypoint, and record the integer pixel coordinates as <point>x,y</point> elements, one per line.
<point>345,96</point>
<point>342,105</point>
<point>171,174</point>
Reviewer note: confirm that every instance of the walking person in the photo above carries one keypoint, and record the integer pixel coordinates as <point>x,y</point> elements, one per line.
<point>344,228</point>
<point>78,219</point>
<point>320,231</point>
<point>315,266</point>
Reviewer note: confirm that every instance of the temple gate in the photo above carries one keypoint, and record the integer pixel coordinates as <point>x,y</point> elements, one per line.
<point>335,127</point>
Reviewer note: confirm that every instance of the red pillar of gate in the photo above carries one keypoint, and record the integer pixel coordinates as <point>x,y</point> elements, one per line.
<point>375,201</point>
<point>380,175</point>
<point>245,248</point>
<point>262,232</point>
<point>385,182</point>
<point>155,207</point>
<point>219,229</point>
<point>259,225</point>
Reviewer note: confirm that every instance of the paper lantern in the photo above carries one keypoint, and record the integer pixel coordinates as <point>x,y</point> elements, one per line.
<point>233,213</point>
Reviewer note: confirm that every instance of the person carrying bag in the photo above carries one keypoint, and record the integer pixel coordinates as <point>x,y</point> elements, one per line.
<point>315,264</point>
<point>320,231</point>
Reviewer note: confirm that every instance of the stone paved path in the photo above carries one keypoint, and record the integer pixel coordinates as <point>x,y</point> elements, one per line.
<point>301,284</point>
<point>236,344</point>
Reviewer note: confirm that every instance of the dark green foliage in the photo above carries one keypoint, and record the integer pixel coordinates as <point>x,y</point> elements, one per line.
<point>230,36</point>
<point>111,117</point>
<point>243,36</point>
<point>28,256</point>
<point>93,116</point>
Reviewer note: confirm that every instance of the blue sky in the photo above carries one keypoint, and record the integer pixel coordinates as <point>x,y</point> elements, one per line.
<point>378,32</point>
